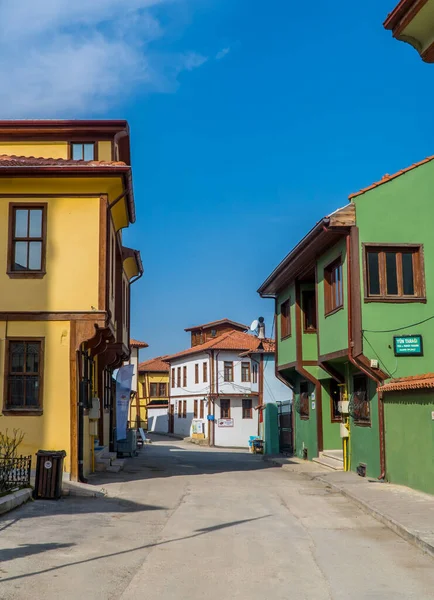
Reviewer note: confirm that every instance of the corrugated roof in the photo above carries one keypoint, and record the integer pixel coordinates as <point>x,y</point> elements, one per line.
<point>215,323</point>
<point>154,364</point>
<point>138,344</point>
<point>386,178</point>
<point>7,160</point>
<point>232,340</point>
<point>413,382</point>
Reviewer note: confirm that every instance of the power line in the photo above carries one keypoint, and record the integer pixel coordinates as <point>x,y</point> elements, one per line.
<point>398,328</point>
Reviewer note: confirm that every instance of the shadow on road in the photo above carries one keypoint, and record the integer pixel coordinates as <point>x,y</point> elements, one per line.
<point>28,549</point>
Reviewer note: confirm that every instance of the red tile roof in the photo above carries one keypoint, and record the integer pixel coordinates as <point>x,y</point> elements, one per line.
<point>158,364</point>
<point>386,178</point>
<point>215,323</point>
<point>413,382</point>
<point>232,340</point>
<point>137,344</point>
<point>32,161</point>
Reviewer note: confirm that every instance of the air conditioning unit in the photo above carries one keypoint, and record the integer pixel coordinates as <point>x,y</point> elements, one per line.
<point>95,411</point>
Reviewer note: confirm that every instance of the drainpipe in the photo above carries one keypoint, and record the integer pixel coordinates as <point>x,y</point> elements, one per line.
<point>81,393</point>
<point>361,367</point>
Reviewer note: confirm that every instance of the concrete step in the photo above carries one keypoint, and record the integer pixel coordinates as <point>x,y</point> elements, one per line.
<point>101,466</point>
<point>114,468</point>
<point>103,461</point>
<point>334,454</point>
<point>118,462</point>
<point>331,463</point>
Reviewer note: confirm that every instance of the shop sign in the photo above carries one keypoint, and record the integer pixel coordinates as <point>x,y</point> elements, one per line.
<point>225,422</point>
<point>408,345</point>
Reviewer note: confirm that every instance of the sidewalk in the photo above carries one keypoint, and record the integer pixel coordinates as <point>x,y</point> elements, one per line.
<point>407,512</point>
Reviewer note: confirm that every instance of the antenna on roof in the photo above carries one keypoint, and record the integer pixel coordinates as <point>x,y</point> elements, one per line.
<point>254,326</point>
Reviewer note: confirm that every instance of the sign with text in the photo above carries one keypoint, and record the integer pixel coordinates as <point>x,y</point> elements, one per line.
<point>197,426</point>
<point>123,390</point>
<point>408,345</point>
<point>225,422</point>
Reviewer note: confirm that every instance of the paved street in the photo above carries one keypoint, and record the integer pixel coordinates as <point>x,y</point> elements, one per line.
<point>188,522</point>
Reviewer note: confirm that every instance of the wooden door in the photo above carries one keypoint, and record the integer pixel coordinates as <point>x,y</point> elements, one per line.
<point>171,418</point>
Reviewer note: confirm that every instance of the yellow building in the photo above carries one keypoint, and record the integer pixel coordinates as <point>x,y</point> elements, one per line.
<point>153,391</point>
<point>65,281</point>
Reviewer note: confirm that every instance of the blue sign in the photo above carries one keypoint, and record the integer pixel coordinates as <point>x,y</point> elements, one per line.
<point>408,345</point>
<point>210,417</point>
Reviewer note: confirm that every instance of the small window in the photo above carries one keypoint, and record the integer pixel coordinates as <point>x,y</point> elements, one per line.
<point>213,333</point>
<point>228,371</point>
<point>202,409</point>
<point>27,240</point>
<point>24,375</point>
<point>285,319</point>
<point>179,409</point>
<point>254,373</point>
<point>173,378</point>
<point>195,409</point>
<point>245,371</point>
<point>83,151</point>
<point>184,409</point>
<point>394,273</point>
<point>184,376</point>
<point>333,287</point>
<point>162,390</point>
<point>153,390</point>
<point>225,409</point>
<point>309,311</point>
<point>179,377</point>
<point>360,408</point>
<point>335,396</point>
<point>205,372</point>
<point>247,408</point>
<point>196,373</point>
<point>304,400</point>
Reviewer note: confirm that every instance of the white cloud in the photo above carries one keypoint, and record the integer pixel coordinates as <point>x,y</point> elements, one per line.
<point>78,57</point>
<point>224,52</point>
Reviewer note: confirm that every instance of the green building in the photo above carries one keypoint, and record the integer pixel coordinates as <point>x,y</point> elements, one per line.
<point>354,315</point>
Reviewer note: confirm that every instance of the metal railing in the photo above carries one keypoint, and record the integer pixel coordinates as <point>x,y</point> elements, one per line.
<point>14,473</point>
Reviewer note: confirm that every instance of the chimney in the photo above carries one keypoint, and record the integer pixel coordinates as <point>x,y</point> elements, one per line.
<point>261,328</point>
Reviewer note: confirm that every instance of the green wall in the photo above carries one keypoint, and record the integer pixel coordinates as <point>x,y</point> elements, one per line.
<point>331,435</point>
<point>305,429</point>
<point>287,347</point>
<point>333,330</point>
<point>410,439</point>
<point>271,429</point>
<point>309,341</point>
<point>387,214</point>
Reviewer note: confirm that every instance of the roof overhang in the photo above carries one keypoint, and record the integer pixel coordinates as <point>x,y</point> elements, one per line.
<point>412,21</point>
<point>326,233</point>
<point>411,383</point>
<point>132,263</point>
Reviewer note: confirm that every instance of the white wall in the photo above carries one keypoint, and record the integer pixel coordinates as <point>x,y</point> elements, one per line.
<point>158,420</point>
<point>237,386</point>
<point>238,435</point>
<point>183,426</point>
<point>274,389</point>
<point>191,387</point>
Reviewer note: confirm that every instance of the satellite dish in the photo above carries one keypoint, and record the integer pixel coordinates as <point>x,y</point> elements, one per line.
<point>254,325</point>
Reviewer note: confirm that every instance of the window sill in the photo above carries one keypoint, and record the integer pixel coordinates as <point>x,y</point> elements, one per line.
<point>26,274</point>
<point>363,423</point>
<point>334,311</point>
<point>304,418</point>
<point>20,412</point>
<point>285,337</point>
<point>309,331</point>
<point>336,421</point>
<point>395,299</point>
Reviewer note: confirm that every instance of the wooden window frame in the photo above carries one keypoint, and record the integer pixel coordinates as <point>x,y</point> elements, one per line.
<point>21,411</point>
<point>366,422</point>
<point>164,394</point>
<point>223,413</point>
<point>88,142</point>
<point>178,377</point>
<point>245,378</point>
<point>330,307</point>
<point>195,407</point>
<point>285,319</point>
<point>196,373</point>
<point>230,369</point>
<point>184,377</point>
<point>304,302</point>
<point>255,373</point>
<point>173,377</point>
<point>184,409</point>
<point>247,411</point>
<point>335,415</point>
<point>418,272</point>
<point>205,372</point>
<point>27,274</point>
<point>179,409</point>
<point>202,409</point>
<point>151,387</point>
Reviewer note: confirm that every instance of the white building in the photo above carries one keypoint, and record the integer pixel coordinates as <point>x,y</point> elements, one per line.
<point>211,386</point>
<point>135,347</point>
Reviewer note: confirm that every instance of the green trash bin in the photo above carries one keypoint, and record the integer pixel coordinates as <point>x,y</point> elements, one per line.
<point>49,474</point>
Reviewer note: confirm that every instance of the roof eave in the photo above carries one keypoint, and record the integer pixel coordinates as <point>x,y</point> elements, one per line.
<point>401,11</point>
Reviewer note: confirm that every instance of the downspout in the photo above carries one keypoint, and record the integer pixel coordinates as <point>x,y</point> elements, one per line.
<point>80,453</point>
<point>354,360</point>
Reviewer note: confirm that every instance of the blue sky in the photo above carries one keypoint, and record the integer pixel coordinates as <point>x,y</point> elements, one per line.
<point>249,121</point>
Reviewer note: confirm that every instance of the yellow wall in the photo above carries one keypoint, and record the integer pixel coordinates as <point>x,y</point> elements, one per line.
<point>151,378</point>
<point>37,149</point>
<point>105,151</point>
<point>72,263</point>
<point>51,431</point>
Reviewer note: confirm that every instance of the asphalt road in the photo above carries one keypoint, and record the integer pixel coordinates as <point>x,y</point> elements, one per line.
<point>185,522</point>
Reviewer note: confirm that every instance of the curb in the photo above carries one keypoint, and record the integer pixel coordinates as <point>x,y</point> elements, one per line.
<point>14,500</point>
<point>83,490</point>
<point>407,534</point>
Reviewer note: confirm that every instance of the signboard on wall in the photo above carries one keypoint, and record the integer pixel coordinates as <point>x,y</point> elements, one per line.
<point>408,345</point>
<point>225,422</point>
<point>197,427</point>
<point>123,391</point>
